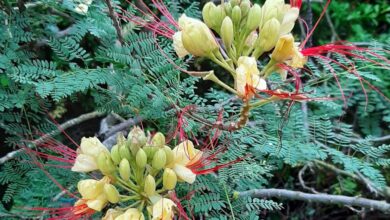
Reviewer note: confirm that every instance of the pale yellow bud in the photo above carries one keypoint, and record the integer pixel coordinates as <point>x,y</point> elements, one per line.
<point>163,209</point>
<point>137,138</point>
<point>159,159</point>
<point>227,32</point>
<point>150,185</point>
<point>236,16</point>
<point>269,35</point>
<point>131,214</point>
<point>150,151</point>
<point>234,2</point>
<point>289,19</point>
<point>197,37</point>
<point>90,189</point>
<point>141,158</point>
<point>207,12</point>
<point>228,9</point>
<point>245,7</point>
<point>124,152</point>
<point>158,140</point>
<point>111,193</point>
<point>169,179</point>
<point>124,169</point>
<point>254,17</point>
<point>105,164</point>
<point>115,155</point>
<point>169,154</point>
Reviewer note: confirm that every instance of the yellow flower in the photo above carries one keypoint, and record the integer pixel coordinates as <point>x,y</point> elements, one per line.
<point>288,17</point>
<point>196,37</point>
<point>248,74</point>
<point>92,193</point>
<point>163,209</point>
<point>86,160</point>
<point>286,51</point>
<point>131,214</point>
<point>112,214</point>
<point>184,155</point>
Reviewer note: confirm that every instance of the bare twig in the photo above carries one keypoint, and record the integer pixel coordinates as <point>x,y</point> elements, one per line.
<point>68,124</point>
<point>124,126</point>
<point>302,181</point>
<point>318,198</point>
<point>115,21</point>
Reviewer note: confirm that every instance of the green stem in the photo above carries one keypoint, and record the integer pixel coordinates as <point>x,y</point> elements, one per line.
<point>263,102</point>
<point>214,78</point>
<point>229,203</point>
<point>223,64</point>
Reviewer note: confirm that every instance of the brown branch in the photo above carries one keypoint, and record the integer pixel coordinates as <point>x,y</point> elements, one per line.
<point>66,125</point>
<point>317,198</point>
<point>126,125</point>
<point>115,21</point>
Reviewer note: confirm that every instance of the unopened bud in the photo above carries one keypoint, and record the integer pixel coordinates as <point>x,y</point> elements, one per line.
<point>115,155</point>
<point>207,12</point>
<point>120,138</point>
<point>169,154</point>
<point>228,9</point>
<point>158,140</point>
<point>124,152</point>
<point>124,169</point>
<point>269,35</point>
<point>269,14</point>
<point>105,164</point>
<point>236,16</point>
<point>150,185</point>
<point>150,151</point>
<point>159,159</point>
<point>234,2</point>
<point>111,193</point>
<point>245,7</point>
<point>169,179</point>
<point>197,37</point>
<point>227,32</point>
<point>141,158</point>
<point>137,138</point>
<point>254,17</point>
<point>219,15</point>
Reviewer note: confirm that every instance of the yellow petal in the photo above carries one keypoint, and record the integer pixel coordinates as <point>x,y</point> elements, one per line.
<point>184,173</point>
<point>185,153</point>
<point>111,214</point>
<point>163,209</point>
<point>131,214</point>
<point>98,203</point>
<point>84,163</point>
<point>178,45</point>
<point>92,146</point>
<point>90,189</point>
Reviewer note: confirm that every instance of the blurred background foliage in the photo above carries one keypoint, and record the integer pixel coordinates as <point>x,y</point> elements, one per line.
<point>56,60</point>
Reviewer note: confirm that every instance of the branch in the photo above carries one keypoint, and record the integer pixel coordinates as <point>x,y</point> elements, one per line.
<point>115,21</point>
<point>317,198</point>
<point>126,125</point>
<point>64,126</point>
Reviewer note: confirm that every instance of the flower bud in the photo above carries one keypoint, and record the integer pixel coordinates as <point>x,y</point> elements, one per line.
<point>105,164</point>
<point>130,214</point>
<point>254,17</point>
<point>112,214</point>
<point>227,32</point>
<point>150,185</point>
<point>269,35</point>
<point>150,151</point>
<point>178,45</point>
<point>115,155</point>
<point>219,14</point>
<point>169,154</point>
<point>141,158</point>
<point>197,37</point>
<point>124,169</point>
<point>234,2</point>
<point>158,140</point>
<point>269,14</point>
<point>137,139</point>
<point>228,9</point>
<point>169,179</point>
<point>245,7</point>
<point>236,16</point>
<point>207,12</point>
<point>159,159</point>
<point>111,193</point>
<point>124,152</point>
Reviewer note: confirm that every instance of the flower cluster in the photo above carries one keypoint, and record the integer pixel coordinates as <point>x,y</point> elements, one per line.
<point>137,175</point>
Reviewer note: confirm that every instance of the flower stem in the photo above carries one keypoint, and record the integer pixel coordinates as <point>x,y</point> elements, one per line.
<point>212,77</point>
